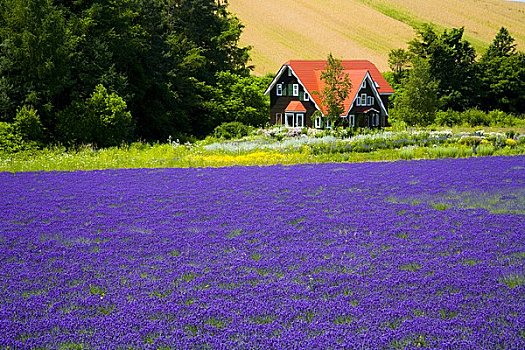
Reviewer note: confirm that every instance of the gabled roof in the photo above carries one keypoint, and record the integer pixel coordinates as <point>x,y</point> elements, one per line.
<point>295,106</point>
<point>309,75</point>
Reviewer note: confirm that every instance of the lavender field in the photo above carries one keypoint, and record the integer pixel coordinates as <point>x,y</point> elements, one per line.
<point>420,254</point>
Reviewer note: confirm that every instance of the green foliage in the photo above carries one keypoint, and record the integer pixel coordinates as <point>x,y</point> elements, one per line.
<point>162,59</point>
<point>416,103</point>
<point>399,63</point>
<point>102,120</point>
<point>451,62</point>
<point>503,75</point>
<point>112,122</point>
<point>25,133</point>
<point>27,123</point>
<point>10,140</point>
<point>231,130</point>
<point>242,99</point>
<point>475,117</point>
<point>35,51</point>
<point>448,118</point>
<point>262,149</point>
<point>513,280</point>
<point>336,89</point>
<point>97,290</point>
<point>495,82</point>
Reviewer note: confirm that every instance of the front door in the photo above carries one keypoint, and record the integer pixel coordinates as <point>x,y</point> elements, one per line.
<point>289,119</point>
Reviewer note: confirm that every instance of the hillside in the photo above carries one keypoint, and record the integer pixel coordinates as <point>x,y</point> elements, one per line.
<point>279,30</point>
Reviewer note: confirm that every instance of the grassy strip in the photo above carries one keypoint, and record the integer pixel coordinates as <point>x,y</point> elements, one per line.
<point>169,156</point>
<point>418,23</point>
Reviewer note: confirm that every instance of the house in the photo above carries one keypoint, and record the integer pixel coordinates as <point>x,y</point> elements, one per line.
<point>295,99</point>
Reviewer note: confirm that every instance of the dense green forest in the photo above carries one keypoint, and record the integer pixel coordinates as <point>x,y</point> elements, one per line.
<point>107,71</point>
<point>440,74</point>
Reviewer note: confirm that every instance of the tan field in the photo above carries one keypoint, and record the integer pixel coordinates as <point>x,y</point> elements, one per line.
<point>280,30</point>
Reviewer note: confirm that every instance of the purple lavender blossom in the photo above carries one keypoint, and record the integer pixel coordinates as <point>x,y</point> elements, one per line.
<point>421,254</point>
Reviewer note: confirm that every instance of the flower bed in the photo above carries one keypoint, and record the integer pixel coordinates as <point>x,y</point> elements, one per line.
<point>423,254</point>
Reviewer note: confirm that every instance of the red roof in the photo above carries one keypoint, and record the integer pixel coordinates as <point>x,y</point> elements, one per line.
<point>309,74</point>
<point>295,106</point>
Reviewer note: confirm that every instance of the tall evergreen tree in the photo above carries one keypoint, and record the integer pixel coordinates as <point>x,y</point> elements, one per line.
<point>34,58</point>
<point>399,63</point>
<point>452,63</point>
<point>502,70</point>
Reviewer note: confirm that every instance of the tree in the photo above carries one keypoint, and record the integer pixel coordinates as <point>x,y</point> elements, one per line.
<point>417,102</point>
<point>161,57</point>
<point>452,63</point>
<point>399,63</point>
<point>503,45</point>
<point>241,99</point>
<point>35,51</point>
<point>102,120</point>
<point>336,88</point>
<point>502,70</point>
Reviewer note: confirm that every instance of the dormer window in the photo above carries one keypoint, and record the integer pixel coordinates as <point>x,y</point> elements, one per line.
<point>295,90</point>
<point>363,100</point>
<point>279,90</point>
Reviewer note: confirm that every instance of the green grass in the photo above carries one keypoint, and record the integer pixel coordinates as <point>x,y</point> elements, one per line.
<point>496,202</point>
<point>235,233</point>
<point>440,206</point>
<point>412,267</point>
<point>513,281</point>
<point>257,150</point>
<point>216,323</point>
<point>97,290</point>
<point>164,156</point>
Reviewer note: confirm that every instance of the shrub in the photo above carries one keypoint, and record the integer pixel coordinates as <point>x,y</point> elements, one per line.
<point>102,120</point>
<point>112,121</point>
<point>27,123</point>
<point>498,117</point>
<point>475,117</point>
<point>10,140</point>
<point>26,132</point>
<point>448,118</point>
<point>231,130</point>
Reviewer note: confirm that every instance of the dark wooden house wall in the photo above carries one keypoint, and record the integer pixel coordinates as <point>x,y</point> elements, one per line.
<point>361,119</point>
<point>278,104</point>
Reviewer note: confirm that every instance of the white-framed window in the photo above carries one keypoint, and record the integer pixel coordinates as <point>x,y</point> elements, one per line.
<point>363,84</point>
<point>370,101</point>
<point>363,100</point>
<point>289,71</point>
<point>295,89</point>
<point>306,96</point>
<point>351,120</point>
<point>318,122</point>
<point>278,118</point>
<point>328,123</point>
<point>288,119</point>
<point>279,90</point>
<point>299,120</point>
